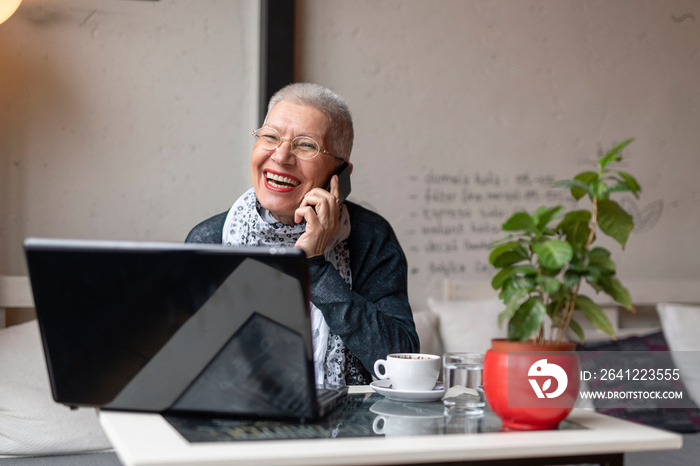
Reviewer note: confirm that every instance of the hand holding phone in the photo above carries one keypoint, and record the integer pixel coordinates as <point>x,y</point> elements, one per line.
<point>344,187</point>
<point>322,224</point>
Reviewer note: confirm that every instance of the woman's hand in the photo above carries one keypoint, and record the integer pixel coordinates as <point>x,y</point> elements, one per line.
<point>321,211</point>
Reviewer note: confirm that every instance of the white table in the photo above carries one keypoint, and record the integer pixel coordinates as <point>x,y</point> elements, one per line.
<point>148,439</point>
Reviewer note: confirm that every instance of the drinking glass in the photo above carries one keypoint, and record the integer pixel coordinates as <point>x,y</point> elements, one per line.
<point>462,377</point>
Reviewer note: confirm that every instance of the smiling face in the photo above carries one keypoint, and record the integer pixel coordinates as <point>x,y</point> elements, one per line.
<point>280,179</point>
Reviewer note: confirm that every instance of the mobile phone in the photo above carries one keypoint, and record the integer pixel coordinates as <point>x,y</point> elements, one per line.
<point>343,172</point>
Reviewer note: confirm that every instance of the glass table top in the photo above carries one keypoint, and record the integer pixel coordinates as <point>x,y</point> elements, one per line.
<point>359,415</point>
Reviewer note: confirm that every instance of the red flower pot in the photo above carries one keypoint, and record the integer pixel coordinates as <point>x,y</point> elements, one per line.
<point>531,387</point>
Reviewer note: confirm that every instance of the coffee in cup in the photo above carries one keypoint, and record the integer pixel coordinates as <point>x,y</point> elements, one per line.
<point>409,371</point>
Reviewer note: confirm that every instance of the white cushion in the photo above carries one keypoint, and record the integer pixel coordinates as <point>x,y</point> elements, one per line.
<point>680,324</point>
<point>468,325</point>
<point>31,422</point>
<point>428,332</point>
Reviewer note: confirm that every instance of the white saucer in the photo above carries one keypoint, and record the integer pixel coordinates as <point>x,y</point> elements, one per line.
<point>383,387</point>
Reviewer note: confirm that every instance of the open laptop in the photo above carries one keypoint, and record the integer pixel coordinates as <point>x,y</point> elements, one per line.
<point>167,327</point>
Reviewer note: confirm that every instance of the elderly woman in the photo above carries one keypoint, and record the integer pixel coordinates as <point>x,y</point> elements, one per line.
<point>357,269</point>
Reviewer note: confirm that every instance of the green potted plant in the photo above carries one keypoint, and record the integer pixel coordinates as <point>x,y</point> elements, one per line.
<point>547,255</point>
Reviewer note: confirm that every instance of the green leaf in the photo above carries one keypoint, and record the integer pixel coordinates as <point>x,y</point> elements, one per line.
<point>508,254</point>
<point>498,242</point>
<point>614,221</point>
<point>519,221</point>
<point>571,278</point>
<point>501,248</point>
<point>504,316</point>
<point>586,178</point>
<point>593,274</point>
<point>569,184</point>
<point>500,278</point>
<point>513,293</point>
<point>598,253</point>
<point>596,286</point>
<point>594,314</point>
<point>544,216</point>
<point>631,182</point>
<point>526,320</point>
<point>575,227</point>
<point>620,188</point>
<point>604,161</point>
<point>553,254</point>
<point>578,188</point>
<point>599,265</point>
<point>614,288</point>
<point>612,155</point>
<point>604,264</point>
<point>526,270</point>
<point>597,189</point>
<point>577,264</point>
<point>509,272</point>
<point>576,327</point>
<point>549,284</point>
<point>577,216</point>
<point>536,215</point>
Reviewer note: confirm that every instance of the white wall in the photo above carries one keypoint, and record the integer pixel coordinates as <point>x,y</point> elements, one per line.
<point>123,119</point>
<point>131,119</point>
<point>508,96</point>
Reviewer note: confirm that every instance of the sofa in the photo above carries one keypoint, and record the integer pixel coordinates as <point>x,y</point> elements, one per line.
<point>447,325</point>
<point>31,423</point>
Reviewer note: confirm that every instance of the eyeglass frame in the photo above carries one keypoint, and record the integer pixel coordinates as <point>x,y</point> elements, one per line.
<point>291,142</point>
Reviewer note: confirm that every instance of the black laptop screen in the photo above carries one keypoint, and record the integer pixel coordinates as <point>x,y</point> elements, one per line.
<point>106,313</point>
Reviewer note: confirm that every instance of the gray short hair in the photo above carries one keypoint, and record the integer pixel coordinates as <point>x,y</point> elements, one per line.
<point>331,104</point>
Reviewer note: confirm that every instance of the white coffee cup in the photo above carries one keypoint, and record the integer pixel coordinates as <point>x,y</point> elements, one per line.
<point>409,371</point>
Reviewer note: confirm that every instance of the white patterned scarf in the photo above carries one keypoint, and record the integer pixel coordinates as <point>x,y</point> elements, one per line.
<point>249,224</point>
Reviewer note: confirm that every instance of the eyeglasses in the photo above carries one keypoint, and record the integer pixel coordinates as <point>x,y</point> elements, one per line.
<point>302,146</point>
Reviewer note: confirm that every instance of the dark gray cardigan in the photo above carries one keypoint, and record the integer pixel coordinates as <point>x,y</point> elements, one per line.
<point>373,318</point>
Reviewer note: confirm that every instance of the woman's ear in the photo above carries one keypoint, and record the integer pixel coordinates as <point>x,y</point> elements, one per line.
<point>350,165</point>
